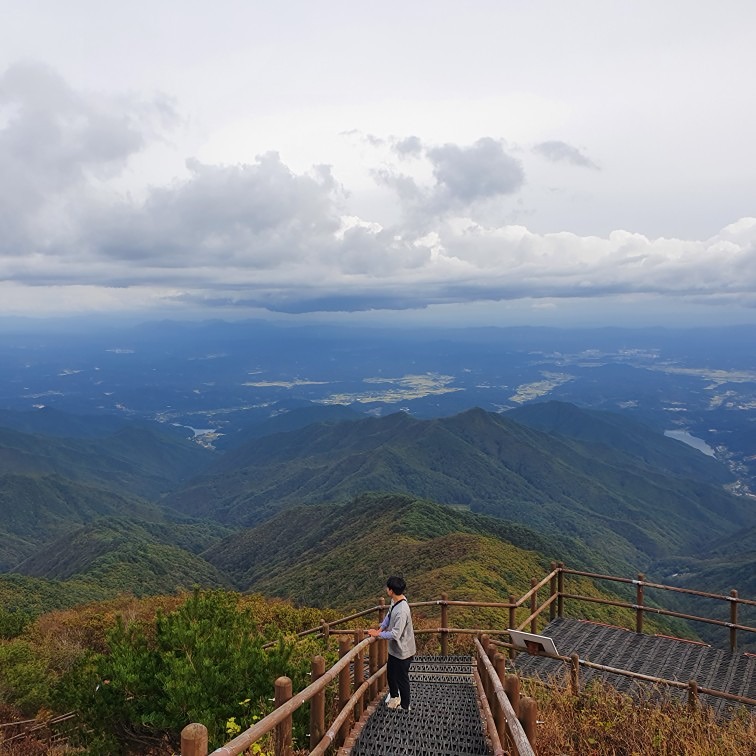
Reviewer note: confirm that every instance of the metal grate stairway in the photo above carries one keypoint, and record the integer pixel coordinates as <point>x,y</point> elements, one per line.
<point>444,717</point>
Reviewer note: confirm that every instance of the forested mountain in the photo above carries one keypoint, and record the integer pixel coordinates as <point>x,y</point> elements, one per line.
<point>118,554</point>
<point>50,485</point>
<point>614,436</point>
<point>134,461</point>
<point>37,509</point>
<point>334,554</point>
<point>454,501</point>
<point>489,463</point>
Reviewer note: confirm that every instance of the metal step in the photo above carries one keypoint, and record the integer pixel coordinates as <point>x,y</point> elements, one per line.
<point>444,717</point>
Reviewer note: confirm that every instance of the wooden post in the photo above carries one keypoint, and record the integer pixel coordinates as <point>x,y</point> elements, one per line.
<point>359,673</point>
<point>500,665</point>
<point>373,659</point>
<point>381,609</point>
<point>317,704</point>
<point>512,621</point>
<point>344,690</point>
<point>484,642</point>
<point>553,592</point>
<point>692,695</point>
<point>528,718</point>
<point>444,625</point>
<point>560,590</point>
<point>325,630</point>
<point>733,620</point>
<point>194,740</point>
<point>575,674</point>
<point>382,659</point>
<point>283,730</point>
<point>512,689</point>
<point>533,606</point>
<point>639,603</point>
<point>491,689</point>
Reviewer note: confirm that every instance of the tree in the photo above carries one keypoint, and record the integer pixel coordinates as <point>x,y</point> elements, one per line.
<point>204,662</point>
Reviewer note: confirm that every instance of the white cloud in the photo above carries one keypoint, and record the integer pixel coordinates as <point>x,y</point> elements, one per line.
<point>393,168</point>
<point>558,151</point>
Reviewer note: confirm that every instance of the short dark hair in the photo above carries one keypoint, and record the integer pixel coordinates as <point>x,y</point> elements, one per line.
<point>397,584</point>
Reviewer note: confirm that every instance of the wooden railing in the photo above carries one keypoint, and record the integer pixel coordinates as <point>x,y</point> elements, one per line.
<point>511,720</point>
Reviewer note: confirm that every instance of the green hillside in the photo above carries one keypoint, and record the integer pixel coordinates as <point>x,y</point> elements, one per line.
<point>288,419</point>
<point>472,505</point>
<point>23,598</point>
<point>728,564</point>
<point>122,555</point>
<point>614,436</point>
<point>133,460</point>
<point>34,510</point>
<point>48,421</point>
<point>482,461</point>
<point>340,556</point>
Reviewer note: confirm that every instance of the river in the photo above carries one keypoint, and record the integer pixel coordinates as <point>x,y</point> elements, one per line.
<point>694,441</point>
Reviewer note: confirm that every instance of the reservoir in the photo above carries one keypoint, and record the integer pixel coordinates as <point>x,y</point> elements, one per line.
<point>694,441</point>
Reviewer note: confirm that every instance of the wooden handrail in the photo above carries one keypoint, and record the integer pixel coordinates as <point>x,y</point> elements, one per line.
<point>640,676</point>
<point>557,595</point>
<point>659,610</point>
<point>343,715</point>
<point>488,716</point>
<point>520,740</point>
<point>245,739</point>
<point>661,586</point>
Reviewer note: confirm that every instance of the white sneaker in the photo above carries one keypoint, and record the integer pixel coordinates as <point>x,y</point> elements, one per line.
<point>394,703</point>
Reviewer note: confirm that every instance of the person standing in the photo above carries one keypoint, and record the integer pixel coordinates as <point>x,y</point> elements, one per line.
<point>397,629</point>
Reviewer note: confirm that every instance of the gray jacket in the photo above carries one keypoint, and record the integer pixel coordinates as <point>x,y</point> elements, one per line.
<point>397,629</point>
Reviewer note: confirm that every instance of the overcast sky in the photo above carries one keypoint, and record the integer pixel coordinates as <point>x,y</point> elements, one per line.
<point>485,161</point>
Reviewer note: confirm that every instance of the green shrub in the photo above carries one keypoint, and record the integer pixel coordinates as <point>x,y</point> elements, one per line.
<point>23,676</point>
<point>203,662</point>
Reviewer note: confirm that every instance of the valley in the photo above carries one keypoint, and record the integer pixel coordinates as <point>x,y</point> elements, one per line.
<point>131,458</point>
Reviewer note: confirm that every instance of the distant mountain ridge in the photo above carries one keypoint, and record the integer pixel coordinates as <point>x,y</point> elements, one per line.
<point>615,434</point>
<point>449,499</point>
<point>116,552</point>
<point>489,463</point>
<point>133,460</point>
<point>50,485</point>
<point>337,550</point>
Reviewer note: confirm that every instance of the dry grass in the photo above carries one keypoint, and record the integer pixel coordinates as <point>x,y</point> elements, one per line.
<point>604,722</point>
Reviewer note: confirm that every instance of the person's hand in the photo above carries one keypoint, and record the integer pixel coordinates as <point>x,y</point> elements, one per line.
<point>373,632</point>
